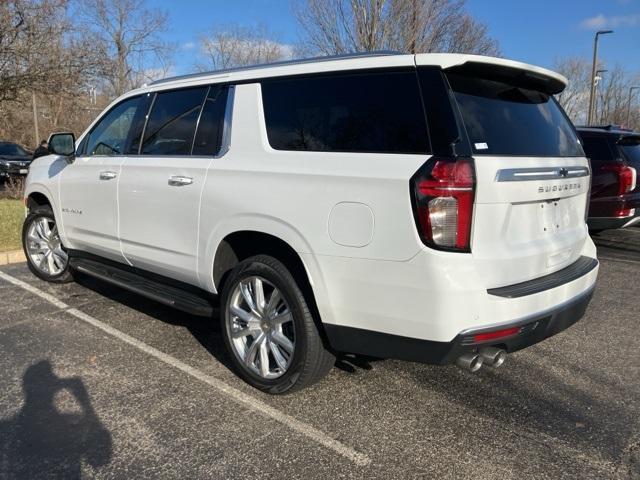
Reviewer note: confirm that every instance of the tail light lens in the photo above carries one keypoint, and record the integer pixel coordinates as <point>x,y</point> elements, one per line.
<point>444,191</point>
<point>627,177</point>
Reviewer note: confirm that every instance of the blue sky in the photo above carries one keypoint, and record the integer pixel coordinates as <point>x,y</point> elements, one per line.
<point>532,31</point>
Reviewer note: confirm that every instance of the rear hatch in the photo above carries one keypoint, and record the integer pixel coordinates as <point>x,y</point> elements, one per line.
<point>532,178</point>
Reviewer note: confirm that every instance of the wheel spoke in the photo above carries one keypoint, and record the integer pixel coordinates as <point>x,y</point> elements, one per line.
<point>61,254</point>
<point>246,294</point>
<point>258,293</point>
<point>282,318</point>
<point>277,355</point>
<point>264,359</point>
<point>240,313</point>
<point>274,300</point>
<point>51,263</point>
<point>283,342</point>
<point>39,228</point>
<point>243,332</point>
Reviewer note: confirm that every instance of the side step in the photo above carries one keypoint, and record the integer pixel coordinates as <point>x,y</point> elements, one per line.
<point>165,294</point>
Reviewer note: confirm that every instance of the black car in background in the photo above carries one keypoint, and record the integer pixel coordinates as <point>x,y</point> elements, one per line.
<point>14,161</point>
<point>615,163</point>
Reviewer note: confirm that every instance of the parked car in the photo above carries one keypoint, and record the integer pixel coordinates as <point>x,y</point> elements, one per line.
<point>615,161</point>
<point>421,207</point>
<point>14,161</point>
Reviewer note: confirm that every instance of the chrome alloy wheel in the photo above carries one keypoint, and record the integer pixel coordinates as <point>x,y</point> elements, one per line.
<point>260,326</point>
<point>44,247</point>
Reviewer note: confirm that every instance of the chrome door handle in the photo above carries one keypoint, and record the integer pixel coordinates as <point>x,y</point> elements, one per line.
<point>107,175</point>
<point>177,181</point>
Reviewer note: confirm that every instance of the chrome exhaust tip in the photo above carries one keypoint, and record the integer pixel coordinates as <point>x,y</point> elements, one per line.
<point>493,357</point>
<point>471,362</point>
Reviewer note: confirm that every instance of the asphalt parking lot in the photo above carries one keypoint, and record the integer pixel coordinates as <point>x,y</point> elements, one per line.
<point>99,383</point>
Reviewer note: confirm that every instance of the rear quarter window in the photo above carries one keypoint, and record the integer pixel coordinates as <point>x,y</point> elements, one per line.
<point>362,112</point>
<point>505,119</point>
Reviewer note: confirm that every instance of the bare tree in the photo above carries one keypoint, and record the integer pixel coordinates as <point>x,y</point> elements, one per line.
<point>238,46</point>
<point>35,51</point>
<point>575,97</point>
<point>414,26</point>
<point>612,93</point>
<point>128,35</point>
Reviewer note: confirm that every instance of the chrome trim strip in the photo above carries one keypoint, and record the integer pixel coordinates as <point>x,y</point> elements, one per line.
<point>550,173</point>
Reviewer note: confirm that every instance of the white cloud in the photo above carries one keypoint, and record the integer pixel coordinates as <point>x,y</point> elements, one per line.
<point>602,21</point>
<point>189,46</point>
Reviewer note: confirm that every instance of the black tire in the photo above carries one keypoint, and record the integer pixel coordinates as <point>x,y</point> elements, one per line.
<point>65,276</point>
<point>310,360</point>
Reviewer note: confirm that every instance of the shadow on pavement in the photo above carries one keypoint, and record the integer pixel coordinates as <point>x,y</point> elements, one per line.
<point>43,442</point>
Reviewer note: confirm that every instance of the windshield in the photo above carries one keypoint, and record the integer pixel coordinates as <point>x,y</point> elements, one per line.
<point>11,149</point>
<point>505,119</point>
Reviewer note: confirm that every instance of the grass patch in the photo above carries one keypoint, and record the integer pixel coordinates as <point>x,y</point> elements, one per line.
<point>11,218</point>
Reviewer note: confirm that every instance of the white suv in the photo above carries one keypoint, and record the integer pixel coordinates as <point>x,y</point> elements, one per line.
<point>422,207</point>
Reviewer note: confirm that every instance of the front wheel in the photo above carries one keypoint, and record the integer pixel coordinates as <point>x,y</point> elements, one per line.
<point>46,257</point>
<point>268,329</point>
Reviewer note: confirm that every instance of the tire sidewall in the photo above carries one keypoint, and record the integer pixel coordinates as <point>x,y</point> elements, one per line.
<point>293,296</point>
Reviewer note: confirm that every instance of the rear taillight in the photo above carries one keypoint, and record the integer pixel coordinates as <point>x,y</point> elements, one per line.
<point>444,191</point>
<point>627,177</point>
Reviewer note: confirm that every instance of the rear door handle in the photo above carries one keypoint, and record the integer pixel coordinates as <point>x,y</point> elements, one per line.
<point>107,175</point>
<point>177,181</point>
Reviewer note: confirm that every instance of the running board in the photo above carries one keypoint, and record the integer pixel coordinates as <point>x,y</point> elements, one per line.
<point>161,293</point>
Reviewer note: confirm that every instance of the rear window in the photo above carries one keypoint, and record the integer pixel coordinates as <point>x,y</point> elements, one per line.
<point>373,112</point>
<point>631,149</point>
<point>597,147</point>
<point>505,119</point>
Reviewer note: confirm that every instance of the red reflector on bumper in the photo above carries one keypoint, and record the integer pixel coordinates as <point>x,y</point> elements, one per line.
<point>506,332</point>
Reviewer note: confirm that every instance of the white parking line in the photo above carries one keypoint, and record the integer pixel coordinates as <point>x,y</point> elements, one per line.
<point>231,392</point>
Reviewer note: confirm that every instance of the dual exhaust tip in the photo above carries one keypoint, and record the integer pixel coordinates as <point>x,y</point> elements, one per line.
<point>490,356</point>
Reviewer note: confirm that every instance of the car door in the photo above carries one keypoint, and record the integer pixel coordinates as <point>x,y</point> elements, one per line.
<point>160,189</point>
<point>88,186</point>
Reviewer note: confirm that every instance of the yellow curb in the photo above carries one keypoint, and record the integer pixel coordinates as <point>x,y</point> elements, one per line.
<point>13,256</point>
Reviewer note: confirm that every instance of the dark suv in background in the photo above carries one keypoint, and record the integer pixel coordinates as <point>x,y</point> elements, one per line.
<point>14,161</point>
<point>615,161</point>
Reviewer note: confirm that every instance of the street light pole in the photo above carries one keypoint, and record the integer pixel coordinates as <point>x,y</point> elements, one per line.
<point>596,82</point>
<point>593,73</point>
<point>629,105</point>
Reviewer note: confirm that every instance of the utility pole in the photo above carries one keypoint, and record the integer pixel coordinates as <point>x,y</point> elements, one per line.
<point>593,73</point>
<point>35,118</point>
<point>629,105</point>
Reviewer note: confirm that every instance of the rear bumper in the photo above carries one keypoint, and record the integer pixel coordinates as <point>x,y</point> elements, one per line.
<point>606,223</point>
<point>531,331</point>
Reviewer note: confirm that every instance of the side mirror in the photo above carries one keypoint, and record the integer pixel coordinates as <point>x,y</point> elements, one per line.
<point>63,144</point>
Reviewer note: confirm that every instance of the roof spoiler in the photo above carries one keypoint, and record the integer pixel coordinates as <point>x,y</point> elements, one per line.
<point>506,73</point>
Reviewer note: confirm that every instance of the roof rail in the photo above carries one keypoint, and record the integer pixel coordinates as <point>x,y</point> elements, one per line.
<point>328,58</point>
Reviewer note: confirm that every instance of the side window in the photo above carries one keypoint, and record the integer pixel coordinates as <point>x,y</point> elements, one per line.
<point>209,135</point>
<point>373,112</point>
<point>596,147</point>
<point>109,136</point>
<point>171,125</point>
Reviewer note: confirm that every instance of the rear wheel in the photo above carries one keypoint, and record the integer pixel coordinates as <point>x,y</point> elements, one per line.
<point>268,329</point>
<point>46,257</point>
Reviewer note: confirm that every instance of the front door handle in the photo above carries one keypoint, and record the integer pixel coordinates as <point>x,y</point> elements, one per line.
<point>107,175</point>
<point>177,181</point>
